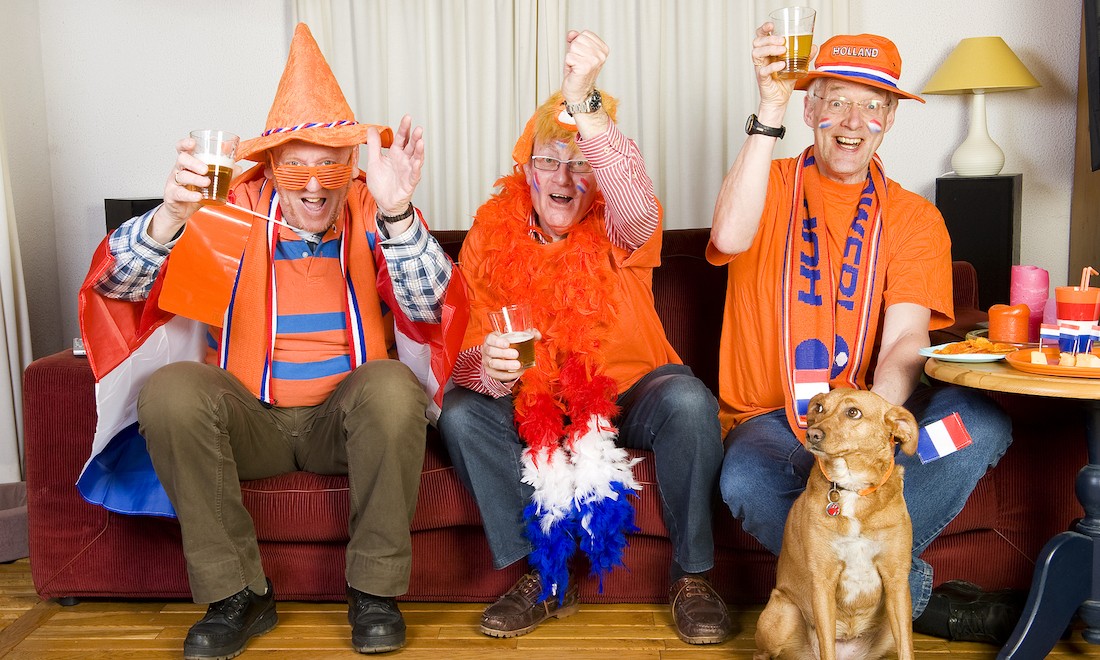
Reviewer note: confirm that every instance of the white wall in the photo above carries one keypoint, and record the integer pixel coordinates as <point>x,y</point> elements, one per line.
<point>125,78</point>
<point>1035,128</point>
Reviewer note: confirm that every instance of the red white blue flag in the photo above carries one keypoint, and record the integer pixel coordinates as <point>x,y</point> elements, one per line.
<point>941,438</point>
<point>127,341</point>
<point>807,383</point>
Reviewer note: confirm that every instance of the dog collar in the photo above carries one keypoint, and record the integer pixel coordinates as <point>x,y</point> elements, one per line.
<point>832,507</point>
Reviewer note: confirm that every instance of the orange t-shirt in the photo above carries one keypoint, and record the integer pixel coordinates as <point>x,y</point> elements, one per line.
<point>915,251</point>
<point>635,339</point>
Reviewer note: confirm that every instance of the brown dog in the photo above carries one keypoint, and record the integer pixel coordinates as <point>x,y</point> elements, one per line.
<point>842,588</point>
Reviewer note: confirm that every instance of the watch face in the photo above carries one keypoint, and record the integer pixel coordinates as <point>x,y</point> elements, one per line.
<point>749,122</point>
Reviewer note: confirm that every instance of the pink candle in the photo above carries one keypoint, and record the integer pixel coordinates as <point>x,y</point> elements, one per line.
<point>1030,286</point>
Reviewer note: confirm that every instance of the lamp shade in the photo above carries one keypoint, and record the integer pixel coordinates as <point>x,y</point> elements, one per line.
<point>980,63</point>
<point>976,66</point>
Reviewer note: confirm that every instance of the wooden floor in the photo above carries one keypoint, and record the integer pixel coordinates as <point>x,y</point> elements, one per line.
<point>31,629</point>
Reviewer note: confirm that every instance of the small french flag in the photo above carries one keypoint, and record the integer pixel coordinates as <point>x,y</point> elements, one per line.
<point>807,383</point>
<point>941,438</point>
<point>1048,334</point>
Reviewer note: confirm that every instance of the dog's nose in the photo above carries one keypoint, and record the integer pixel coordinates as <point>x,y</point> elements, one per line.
<point>814,435</point>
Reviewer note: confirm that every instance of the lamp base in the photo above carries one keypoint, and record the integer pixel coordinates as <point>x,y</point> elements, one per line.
<point>978,155</point>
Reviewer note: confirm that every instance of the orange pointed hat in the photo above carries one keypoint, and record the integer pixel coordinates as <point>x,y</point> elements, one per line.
<point>309,105</point>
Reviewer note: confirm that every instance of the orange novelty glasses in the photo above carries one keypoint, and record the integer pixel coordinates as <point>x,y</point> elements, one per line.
<point>296,177</point>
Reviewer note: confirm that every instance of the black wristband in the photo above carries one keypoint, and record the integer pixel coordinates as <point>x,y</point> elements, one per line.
<point>396,218</point>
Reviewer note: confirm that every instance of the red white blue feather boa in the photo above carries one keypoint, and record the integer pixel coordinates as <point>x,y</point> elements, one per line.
<point>564,404</point>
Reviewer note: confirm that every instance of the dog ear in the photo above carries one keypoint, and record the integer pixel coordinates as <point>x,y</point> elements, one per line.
<point>903,426</point>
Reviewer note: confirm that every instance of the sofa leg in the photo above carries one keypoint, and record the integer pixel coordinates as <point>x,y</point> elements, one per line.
<point>68,601</point>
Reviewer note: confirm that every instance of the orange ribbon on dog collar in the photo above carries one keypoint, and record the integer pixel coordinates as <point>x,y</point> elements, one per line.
<point>833,506</point>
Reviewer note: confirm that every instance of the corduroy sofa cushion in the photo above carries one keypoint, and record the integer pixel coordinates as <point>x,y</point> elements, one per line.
<point>79,550</point>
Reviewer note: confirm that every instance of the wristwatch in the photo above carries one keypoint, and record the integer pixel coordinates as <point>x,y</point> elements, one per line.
<point>591,104</point>
<point>396,218</point>
<point>753,126</point>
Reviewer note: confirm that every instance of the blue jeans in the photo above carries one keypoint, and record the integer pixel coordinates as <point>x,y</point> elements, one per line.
<point>668,411</point>
<point>766,468</point>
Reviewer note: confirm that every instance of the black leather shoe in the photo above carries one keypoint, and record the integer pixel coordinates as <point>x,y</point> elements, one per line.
<point>961,611</point>
<point>229,624</point>
<point>376,623</point>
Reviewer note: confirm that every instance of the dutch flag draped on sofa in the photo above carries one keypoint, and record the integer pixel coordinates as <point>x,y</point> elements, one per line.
<point>127,341</point>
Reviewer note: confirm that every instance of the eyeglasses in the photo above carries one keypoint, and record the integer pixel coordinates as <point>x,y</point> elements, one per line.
<point>551,164</point>
<point>838,106</point>
<point>296,177</point>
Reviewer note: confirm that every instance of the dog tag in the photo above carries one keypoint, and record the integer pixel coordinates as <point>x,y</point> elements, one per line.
<point>832,509</point>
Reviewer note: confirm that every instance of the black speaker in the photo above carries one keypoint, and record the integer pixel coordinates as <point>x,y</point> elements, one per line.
<point>119,211</point>
<point>982,214</point>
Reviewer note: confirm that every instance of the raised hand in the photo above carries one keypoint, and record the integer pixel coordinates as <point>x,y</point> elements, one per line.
<point>180,203</point>
<point>392,177</point>
<point>585,54</point>
<point>773,91</point>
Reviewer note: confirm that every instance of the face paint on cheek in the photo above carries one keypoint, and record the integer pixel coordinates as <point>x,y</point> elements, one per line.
<point>824,123</point>
<point>874,126</point>
<point>582,186</point>
<point>535,183</point>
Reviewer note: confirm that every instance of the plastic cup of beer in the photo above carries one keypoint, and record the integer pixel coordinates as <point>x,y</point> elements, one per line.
<point>796,25</point>
<point>218,149</point>
<point>1079,306</point>
<point>513,322</point>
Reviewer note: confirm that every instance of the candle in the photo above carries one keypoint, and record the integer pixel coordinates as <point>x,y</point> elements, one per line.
<point>1009,323</point>
<point>1030,286</point>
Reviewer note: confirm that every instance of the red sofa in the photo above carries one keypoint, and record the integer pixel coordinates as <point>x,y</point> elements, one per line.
<point>78,550</point>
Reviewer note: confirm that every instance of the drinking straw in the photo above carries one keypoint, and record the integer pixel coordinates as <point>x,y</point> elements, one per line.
<point>278,222</point>
<point>507,320</point>
<point>1085,273</point>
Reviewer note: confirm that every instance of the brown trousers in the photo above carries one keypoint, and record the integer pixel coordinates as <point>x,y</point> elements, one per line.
<point>206,432</point>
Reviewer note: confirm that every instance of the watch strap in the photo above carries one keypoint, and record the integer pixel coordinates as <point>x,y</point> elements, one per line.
<point>396,218</point>
<point>754,127</point>
<point>591,103</point>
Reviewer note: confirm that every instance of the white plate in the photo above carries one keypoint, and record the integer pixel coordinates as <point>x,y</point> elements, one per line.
<point>960,357</point>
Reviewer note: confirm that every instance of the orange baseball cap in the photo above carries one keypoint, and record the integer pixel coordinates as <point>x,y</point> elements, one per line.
<point>867,59</point>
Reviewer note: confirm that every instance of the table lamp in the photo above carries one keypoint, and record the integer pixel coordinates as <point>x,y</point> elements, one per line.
<point>976,66</point>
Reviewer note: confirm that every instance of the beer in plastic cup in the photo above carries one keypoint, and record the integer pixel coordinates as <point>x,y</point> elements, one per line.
<point>796,25</point>
<point>218,149</point>
<point>524,343</point>
<point>513,322</point>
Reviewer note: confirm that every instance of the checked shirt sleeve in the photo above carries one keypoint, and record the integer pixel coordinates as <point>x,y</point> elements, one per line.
<point>137,260</point>
<point>420,271</point>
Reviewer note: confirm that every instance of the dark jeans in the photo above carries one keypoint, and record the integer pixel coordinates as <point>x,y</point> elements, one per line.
<point>206,432</point>
<point>668,411</point>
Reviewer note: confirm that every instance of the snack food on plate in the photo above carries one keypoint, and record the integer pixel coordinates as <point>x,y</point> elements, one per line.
<point>975,345</point>
<point>1079,360</point>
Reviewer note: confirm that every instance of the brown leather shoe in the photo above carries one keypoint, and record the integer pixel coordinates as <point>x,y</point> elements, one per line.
<point>519,611</point>
<point>701,616</point>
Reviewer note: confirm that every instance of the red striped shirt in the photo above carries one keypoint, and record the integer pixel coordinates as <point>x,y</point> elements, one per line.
<point>631,218</point>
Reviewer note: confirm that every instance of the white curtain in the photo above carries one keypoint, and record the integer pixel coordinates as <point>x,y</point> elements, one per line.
<point>15,345</point>
<point>472,73</point>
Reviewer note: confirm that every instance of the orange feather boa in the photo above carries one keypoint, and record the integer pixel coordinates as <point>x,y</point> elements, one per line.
<point>571,299</point>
